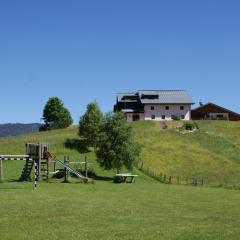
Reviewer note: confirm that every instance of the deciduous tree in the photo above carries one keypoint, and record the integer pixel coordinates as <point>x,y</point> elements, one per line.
<point>116,147</point>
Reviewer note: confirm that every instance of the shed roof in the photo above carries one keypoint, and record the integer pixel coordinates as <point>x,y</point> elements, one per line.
<point>215,106</point>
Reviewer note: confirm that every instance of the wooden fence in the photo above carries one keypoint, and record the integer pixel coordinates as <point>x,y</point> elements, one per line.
<point>170,179</point>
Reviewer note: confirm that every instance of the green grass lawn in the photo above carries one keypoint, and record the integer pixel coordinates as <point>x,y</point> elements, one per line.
<point>144,210</point>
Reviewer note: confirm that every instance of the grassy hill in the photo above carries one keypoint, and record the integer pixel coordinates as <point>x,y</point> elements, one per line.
<point>104,210</point>
<point>211,153</point>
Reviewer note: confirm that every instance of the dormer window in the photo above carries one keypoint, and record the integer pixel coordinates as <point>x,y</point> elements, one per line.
<point>152,107</point>
<point>148,96</point>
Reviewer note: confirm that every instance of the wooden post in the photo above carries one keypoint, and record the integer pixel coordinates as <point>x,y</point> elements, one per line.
<point>192,179</point>
<point>35,174</point>
<point>164,178</point>
<point>47,169</point>
<point>1,170</point>
<point>170,179</point>
<point>86,167</point>
<point>54,166</point>
<point>196,182</point>
<point>65,169</point>
<point>161,176</point>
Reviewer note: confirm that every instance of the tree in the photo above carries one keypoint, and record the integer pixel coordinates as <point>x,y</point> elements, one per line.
<point>90,125</point>
<point>55,115</point>
<point>117,147</point>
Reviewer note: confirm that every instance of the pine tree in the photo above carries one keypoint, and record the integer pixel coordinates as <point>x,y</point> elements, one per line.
<point>55,115</point>
<point>90,125</point>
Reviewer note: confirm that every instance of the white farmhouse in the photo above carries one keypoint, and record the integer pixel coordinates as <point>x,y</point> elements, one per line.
<point>157,105</point>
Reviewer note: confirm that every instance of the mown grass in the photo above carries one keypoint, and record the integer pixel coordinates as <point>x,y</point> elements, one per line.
<point>104,210</point>
<point>211,153</point>
<point>145,210</point>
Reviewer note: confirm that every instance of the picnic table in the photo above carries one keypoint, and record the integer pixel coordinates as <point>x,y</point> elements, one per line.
<point>125,177</point>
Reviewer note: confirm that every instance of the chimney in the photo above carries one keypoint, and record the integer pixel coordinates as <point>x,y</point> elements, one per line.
<point>200,103</point>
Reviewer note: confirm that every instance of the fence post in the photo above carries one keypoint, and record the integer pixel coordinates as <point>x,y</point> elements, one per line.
<point>161,176</point>
<point>1,170</point>
<point>170,179</point>
<point>196,183</point>
<point>141,166</point>
<point>178,180</point>
<point>164,178</point>
<point>86,167</point>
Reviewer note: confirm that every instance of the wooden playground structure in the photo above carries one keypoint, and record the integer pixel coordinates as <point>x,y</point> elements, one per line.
<point>39,158</point>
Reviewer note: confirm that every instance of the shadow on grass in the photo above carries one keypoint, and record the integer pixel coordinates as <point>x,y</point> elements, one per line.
<point>77,144</point>
<point>10,181</point>
<point>7,184</point>
<point>92,174</point>
<point>103,178</point>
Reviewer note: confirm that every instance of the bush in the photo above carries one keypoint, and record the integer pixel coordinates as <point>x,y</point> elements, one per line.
<point>176,118</point>
<point>190,126</point>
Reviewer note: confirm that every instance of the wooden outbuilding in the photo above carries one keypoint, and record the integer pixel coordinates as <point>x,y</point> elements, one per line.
<point>211,111</point>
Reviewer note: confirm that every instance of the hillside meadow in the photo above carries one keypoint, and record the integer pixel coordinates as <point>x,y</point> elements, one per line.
<point>146,209</point>
<point>211,153</point>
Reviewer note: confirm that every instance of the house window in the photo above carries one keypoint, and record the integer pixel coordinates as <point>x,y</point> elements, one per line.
<point>153,117</point>
<point>219,115</point>
<point>181,107</point>
<point>182,117</point>
<point>167,107</point>
<point>152,107</point>
<point>172,116</point>
<point>163,116</point>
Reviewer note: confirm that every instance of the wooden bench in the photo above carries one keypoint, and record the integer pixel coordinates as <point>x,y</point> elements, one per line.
<point>124,178</point>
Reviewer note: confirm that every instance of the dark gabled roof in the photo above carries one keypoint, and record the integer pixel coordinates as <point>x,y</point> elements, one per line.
<point>215,105</point>
<point>129,97</point>
<point>165,97</point>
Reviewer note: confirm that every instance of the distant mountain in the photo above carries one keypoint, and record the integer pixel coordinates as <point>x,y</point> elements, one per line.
<point>14,129</point>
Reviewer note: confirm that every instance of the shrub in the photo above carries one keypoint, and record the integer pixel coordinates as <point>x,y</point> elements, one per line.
<point>190,126</point>
<point>176,118</point>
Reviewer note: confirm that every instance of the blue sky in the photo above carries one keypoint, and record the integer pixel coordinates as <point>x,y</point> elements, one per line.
<point>83,51</point>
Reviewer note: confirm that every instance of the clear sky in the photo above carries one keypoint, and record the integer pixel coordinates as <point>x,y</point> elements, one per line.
<point>83,51</point>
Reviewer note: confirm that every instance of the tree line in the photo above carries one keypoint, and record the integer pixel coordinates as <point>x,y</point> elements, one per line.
<point>109,135</point>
